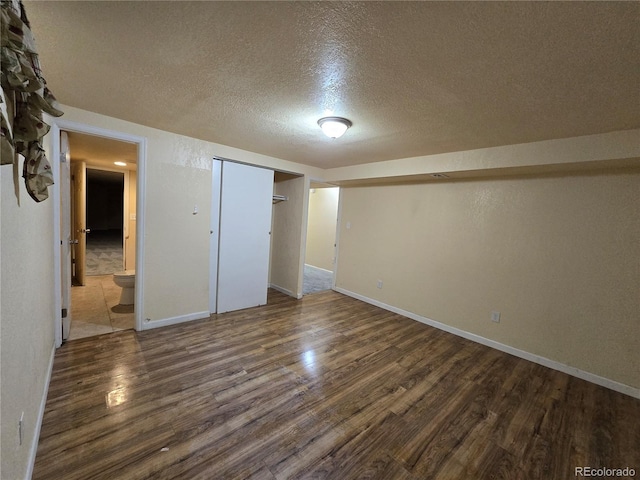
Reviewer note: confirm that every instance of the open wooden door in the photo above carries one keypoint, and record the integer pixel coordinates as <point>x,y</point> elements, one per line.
<point>79,206</point>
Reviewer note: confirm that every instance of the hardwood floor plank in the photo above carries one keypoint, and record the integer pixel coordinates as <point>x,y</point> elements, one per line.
<point>324,387</point>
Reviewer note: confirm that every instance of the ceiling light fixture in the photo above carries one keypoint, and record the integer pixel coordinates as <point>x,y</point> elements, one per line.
<point>334,127</point>
<point>120,164</point>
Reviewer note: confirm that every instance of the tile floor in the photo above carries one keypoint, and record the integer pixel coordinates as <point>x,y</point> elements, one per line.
<point>95,308</point>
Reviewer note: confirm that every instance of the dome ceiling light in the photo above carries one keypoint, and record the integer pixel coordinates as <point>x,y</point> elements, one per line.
<point>334,127</point>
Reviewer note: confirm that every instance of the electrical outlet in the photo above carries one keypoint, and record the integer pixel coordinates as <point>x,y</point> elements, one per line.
<point>379,283</point>
<point>495,317</point>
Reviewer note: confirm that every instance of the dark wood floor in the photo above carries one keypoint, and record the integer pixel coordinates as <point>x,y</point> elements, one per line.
<point>325,387</point>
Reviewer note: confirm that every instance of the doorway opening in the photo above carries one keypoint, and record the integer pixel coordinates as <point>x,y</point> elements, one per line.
<point>320,250</point>
<point>105,222</point>
<point>103,212</point>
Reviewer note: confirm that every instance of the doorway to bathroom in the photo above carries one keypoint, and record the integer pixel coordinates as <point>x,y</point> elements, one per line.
<point>320,249</point>
<point>103,215</point>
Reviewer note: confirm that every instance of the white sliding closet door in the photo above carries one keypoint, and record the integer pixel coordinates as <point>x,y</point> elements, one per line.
<point>245,236</point>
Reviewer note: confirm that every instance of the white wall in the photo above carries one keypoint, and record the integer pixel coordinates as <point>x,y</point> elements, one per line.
<point>176,260</point>
<point>26,317</point>
<point>321,227</point>
<point>557,255</point>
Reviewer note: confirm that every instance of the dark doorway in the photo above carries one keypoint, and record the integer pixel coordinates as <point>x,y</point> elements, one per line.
<point>105,220</point>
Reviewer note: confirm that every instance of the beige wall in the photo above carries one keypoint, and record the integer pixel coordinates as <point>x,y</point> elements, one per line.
<point>130,240</point>
<point>286,234</point>
<point>176,273</point>
<point>558,256</point>
<point>321,227</point>
<point>26,315</point>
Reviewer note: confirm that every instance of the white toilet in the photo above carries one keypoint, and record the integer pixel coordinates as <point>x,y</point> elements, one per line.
<point>126,280</point>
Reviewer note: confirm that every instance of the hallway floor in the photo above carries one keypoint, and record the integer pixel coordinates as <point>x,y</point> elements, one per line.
<point>95,308</point>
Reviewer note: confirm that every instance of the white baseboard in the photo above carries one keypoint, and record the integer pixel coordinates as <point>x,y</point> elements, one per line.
<point>43,402</point>
<point>313,266</point>
<point>165,322</point>
<point>284,290</point>
<point>546,362</point>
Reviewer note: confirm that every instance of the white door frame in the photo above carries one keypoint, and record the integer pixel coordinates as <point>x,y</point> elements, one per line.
<point>305,221</point>
<point>64,166</point>
<point>214,233</point>
<point>56,127</point>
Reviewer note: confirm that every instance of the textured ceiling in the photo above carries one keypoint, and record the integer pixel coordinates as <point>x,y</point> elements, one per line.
<point>415,78</point>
